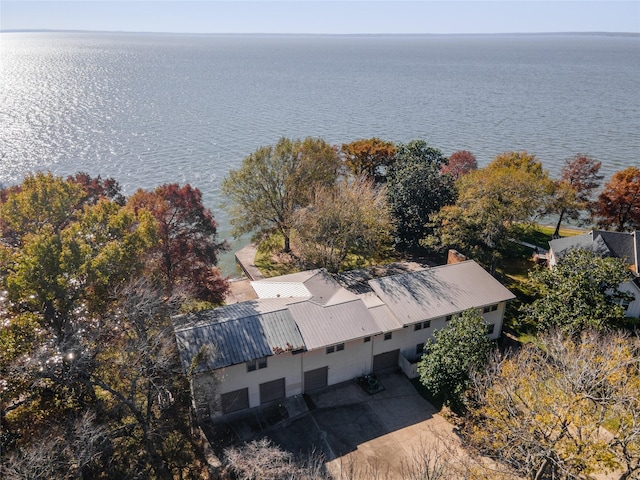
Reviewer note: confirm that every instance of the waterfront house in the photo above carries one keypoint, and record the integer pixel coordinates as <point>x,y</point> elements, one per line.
<point>623,245</point>
<point>310,329</point>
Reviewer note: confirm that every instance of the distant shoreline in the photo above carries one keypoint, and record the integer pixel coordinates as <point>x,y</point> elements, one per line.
<point>342,35</point>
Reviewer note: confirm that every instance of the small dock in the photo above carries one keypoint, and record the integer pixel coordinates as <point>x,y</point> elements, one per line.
<point>240,289</point>
<point>245,257</point>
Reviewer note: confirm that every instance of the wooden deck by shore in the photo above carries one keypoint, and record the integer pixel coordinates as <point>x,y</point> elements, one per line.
<point>240,289</point>
<point>246,257</point>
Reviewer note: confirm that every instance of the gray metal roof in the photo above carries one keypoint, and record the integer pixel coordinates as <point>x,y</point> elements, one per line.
<point>247,335</point>
<point>439,291</point>
<point>258,328</point>
<point>384,318</point>
<point>327,325</point>
<point>323,287</point>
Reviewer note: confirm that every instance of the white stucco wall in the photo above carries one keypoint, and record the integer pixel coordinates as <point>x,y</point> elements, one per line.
<point>284,365</point>
<point>355,360</point>
<point>352,362</point>
<point>380,345</point>
<point>496,318</point>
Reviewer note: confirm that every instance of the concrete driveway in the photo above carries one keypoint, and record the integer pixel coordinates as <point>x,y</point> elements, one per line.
<point>360,435</point>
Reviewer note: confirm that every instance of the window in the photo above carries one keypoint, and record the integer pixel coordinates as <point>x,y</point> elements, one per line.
<point>490,308</point>
<point>256,364</point>
<point>490,328</point>
<point>419,349</point>
<point>417,326</point>
<point>335,348</point>
<point>339,347</point>
<point>387,336</point>
<point>623,302</point>
<point>367,339</point>
<point>426,324</point>
<point>448,318</point>
<point>331,349</point>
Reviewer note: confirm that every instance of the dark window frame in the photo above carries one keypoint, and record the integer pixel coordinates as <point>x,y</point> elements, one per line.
<point>257,364</point>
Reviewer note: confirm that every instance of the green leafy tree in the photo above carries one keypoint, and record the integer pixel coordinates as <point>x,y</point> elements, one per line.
<point>274,181</point>
<point>493,204</point>
<point>55,273</point>
<point>581,291</point>
<point>349,219</point>
<point>370,157</point>
<point>42,199</point>
<point>452,355</point>
<point>416,189</point>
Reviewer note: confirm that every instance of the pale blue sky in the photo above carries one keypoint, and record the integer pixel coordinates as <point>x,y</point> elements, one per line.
<point>324,16</point>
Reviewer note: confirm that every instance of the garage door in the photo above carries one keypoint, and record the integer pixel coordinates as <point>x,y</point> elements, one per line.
<point>236,400</point>
<point>271,391</point>
<point>386,362</point>
<point>314,379</point>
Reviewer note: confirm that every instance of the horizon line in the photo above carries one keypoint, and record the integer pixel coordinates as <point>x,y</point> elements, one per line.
<point>143,32</point>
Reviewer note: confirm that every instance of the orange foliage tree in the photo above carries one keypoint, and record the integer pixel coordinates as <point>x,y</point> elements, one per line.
<point>618,206</point>
<point>369,157</point>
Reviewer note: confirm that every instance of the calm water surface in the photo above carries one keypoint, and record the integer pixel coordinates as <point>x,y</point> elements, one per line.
<point>151,109</point>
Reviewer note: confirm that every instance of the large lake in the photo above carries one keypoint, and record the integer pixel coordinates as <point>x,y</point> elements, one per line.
<point>150,109</point>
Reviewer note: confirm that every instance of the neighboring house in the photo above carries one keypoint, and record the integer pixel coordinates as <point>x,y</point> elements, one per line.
<point>310,329</point>
<point>623,245</point>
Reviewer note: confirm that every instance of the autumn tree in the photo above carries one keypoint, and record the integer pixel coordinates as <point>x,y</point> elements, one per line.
<point>452,355</point>
<point>349,219</point>
<point>370,157</point>
<point>42,199</point>
<point>618,206</point>
<point>87,355</point>
<point>275,181</point>
<point>416,189</point>
<point>578,179</point>
<point>96,188</point>
<point>55,270</point>
<point>187,253</point>
<point>568,408</point>
<point>460,163</point>
<point>493,204</point>
<point>580,292</point>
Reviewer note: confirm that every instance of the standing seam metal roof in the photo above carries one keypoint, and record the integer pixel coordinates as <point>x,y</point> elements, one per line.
<point>439,291</point>
<point>321,326</point>
<point>239,340</point>
<point>259,328</point>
